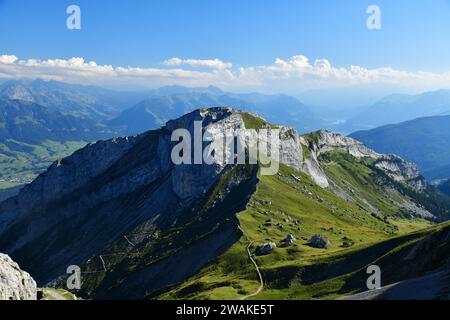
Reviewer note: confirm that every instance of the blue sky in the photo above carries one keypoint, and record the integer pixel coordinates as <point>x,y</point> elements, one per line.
<point>414,36</point>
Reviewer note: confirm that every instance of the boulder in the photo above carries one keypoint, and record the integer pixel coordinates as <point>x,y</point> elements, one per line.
<point>288,241</point>
<point>319,241</point>
<point>267,248</point>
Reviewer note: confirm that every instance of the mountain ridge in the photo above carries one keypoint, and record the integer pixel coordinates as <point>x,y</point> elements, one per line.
<point>193,222</point>
<point>397,108</point>
<point>422,140</point>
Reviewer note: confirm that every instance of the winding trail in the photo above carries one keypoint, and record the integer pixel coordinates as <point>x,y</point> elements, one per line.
<point>103,263</point>
<point>261,287</point>
<point>129,242</point>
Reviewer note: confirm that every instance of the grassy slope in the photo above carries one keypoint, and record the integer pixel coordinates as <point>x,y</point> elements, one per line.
<point>18,159</point>
<point>58,294</point>
<point>304,210</point>
<point>9,189</point>
<point>371,189</point>
<point>254,122</point>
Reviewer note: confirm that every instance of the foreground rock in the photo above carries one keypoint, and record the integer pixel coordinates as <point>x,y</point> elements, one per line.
<point>15,284</point>
<point>288,241</point>
<point>319,241</point>
<point>267,248</point>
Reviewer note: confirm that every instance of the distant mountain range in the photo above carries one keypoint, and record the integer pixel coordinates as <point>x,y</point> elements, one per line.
<point>32,135</point>
<point>41,121</point>
<point>154,112</point>
<point>95,113</point>
<point>398,108</point>
<point>78,100</point>
<point>34,123</point>
<point>283,109</point>
<point>425,141</point>
<point>101,104</point>
<point>108,105</point>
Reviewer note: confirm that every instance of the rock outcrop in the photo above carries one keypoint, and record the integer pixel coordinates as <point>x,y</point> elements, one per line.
<point>15,284</point>
<point>323,141</point>
<point>328,141</point>
<point>401,171</point>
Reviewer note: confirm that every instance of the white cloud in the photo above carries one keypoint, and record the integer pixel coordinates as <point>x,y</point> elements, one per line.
<point>6,59</point>
<point>213,64</point>
<point>291,75</point>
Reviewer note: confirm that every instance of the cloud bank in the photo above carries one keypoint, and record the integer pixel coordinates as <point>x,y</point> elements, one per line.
<point>290,75</point>
<point>213,64</point>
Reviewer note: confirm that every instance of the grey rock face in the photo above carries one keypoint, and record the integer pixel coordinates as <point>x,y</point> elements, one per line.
<point>311,165</point>
<point>401,171</point>
<point>15,284</point>
<point>290,148</point>
<point>64,177</point>
<point>220,122</point>
<point>328,141</point>
<point>91,198</point>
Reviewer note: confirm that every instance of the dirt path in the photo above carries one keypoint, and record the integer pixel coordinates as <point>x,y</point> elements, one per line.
<point>261,287</point>
<point>103,263</point>
<point>129,242</point>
